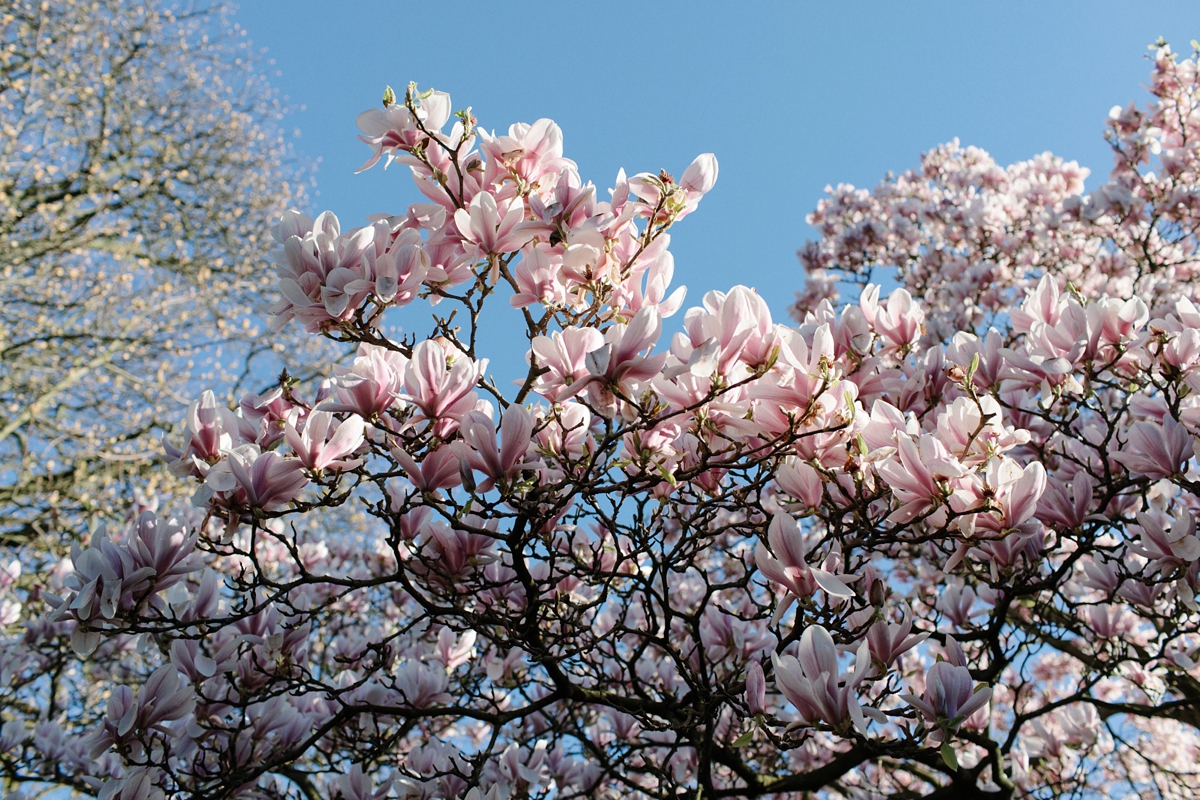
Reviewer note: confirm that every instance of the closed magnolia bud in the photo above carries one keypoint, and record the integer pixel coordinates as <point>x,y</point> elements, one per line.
<point>756,689</point>
<point>466,474</point>
<point>877,593</point>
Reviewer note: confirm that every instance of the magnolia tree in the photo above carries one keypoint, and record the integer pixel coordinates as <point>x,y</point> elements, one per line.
<point>937,542</point>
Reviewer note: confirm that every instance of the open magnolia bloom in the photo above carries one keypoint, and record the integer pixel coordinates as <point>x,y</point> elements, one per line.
<point>937,542</point>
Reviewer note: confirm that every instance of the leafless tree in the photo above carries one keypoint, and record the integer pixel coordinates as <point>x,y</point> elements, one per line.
<point>141,163</point>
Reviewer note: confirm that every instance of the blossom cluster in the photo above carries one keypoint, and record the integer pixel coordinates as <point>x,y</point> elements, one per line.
<point>969,237</point>
<point>883,552</point>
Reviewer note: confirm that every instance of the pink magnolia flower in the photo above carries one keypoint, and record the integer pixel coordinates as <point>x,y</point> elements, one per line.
<point>393,129</point>
<point>449,263</point>
<point>801,481</point>
<point>700,177</point>
<point>623,360</point>
<point>254,479</point>
<point>900,323</point>
<point>889,640</point>
<point>733,324</point>
<point>1056,507</point>
<point>586,259</point>
<point>453,551</point>
<point>724,636</point>
<point>813,685</point>
<point>316,268</point>
<point>453,650</point>
<point>1043,305</point>
<point>622,364</point>
<point>563,431</point>
<point>12,734</point>
<point>371,385</point>
<point>964,347</point>
<point>210,429</point>
<point>805,385</point>
<point>529,153</point>
<point>653,446</point>
<point>1156,451</point>
<point>422,685</point>
<point>494,226</point>
<point>1017,492</point>
<point>680,200</point>
<point>187,657</point>
<point>885,426</point>
<point>137,783</point>
<point>1100,574</point>
<point>1182,350</point>
<point>493,793</point>
<point>950,697</point>
<point>974,430</point>
<point>915,474</point>
<point>788,566</point>
<point>440,469</point>
<point>163,545</point>
<point>1107,620</point>
<point>478,445</point>
<point>522,770</point>
<point>111,577</point>
<point>564,356</point>
<point>1071,727</point>
<point>1117,322</point>
<point>358,785</point>
<point>443,392</point>
<point>163,698</point>
<point>629,297</point>
<point>957,602</point>
<point>537,278</point>
<point>261,417</point>
<point>1168,549</point>
<point>400,272</point>
<point>315,451</point>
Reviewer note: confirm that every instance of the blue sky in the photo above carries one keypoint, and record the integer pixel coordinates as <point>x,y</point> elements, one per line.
<point>789,96</point>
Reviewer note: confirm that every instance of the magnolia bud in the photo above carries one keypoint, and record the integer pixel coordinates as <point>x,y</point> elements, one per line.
<point>756,689</point>
<point>877,593</point>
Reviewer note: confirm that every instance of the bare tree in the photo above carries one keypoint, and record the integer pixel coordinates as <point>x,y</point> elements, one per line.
<point>141,162</point>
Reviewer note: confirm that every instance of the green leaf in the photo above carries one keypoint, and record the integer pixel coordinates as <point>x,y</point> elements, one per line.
<point>667,475</point>
<point>744,739</point>
<point>389,97</point>
<point>949,757</point>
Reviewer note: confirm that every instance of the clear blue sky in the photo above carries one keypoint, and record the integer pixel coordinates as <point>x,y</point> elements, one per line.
<point>790,96</point>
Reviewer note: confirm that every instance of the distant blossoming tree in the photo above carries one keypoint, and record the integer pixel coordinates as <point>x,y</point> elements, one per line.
<point>139,156</point>
<point>938,543</point>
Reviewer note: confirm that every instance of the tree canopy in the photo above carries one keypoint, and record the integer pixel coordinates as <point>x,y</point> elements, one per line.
<point>937,541</point>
